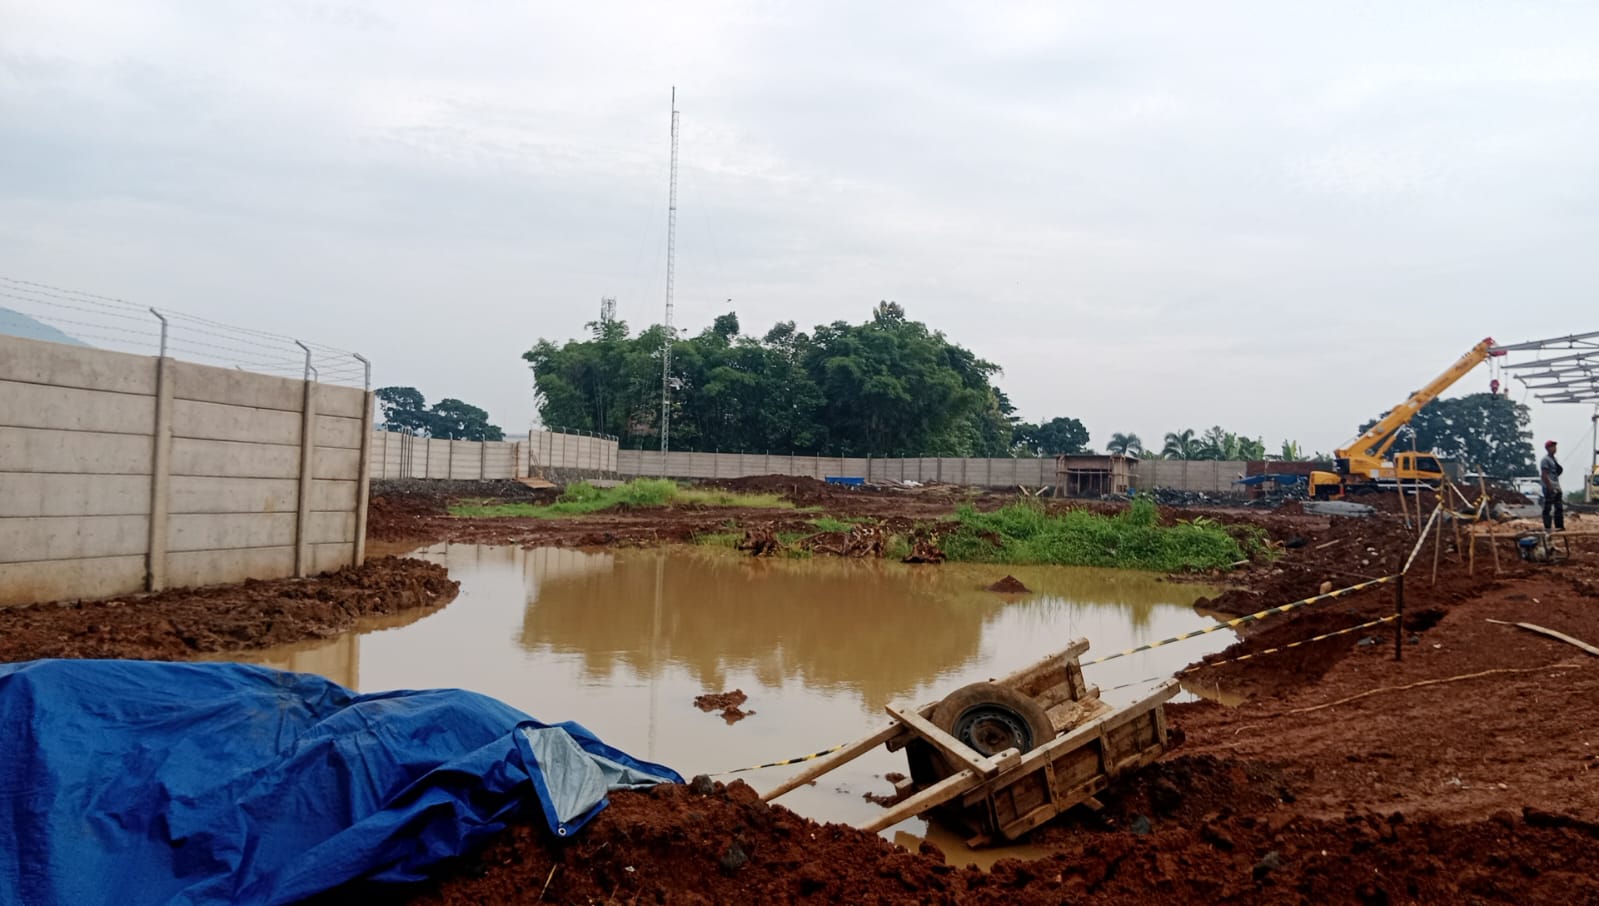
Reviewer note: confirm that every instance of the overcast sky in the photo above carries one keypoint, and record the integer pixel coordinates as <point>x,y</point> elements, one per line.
<point>1152,216</point>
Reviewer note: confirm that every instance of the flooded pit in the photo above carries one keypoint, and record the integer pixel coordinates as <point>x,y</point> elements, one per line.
<point>622,642</point>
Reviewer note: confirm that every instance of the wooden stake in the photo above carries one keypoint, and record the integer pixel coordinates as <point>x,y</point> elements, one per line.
<point>1543,630</point>
<point>1437,546</point>
<point>1399,618</point>
<point>1488,510</point>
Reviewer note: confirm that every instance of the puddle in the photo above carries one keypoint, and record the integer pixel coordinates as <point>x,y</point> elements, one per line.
<point>622,642</point>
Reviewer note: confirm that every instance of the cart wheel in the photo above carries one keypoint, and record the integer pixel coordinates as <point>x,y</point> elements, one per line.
<point>992,718</point>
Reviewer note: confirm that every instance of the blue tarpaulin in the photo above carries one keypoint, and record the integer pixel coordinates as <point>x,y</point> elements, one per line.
<point>133,782</point>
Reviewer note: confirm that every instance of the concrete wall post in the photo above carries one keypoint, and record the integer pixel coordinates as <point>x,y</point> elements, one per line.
<point>363,483</point>
<point>302,522</point>
<point>155,564</point>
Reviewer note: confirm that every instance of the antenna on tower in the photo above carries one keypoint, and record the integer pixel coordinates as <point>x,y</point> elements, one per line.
<point>607,309</point>
<point>671,253</point>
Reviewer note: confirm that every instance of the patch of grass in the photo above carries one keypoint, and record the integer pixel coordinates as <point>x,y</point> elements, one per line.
<point>640,493</point>
<point>836,524</point>
<point>719,539</point>
<point>715,497</point>
<point>898,547</point>
<point>1133,539</point>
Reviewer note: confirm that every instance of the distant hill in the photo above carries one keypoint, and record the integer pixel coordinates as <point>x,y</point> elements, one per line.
<point>17,324</point>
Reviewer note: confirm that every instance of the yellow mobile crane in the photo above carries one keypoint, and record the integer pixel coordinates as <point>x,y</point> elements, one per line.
<point>1362,464</point>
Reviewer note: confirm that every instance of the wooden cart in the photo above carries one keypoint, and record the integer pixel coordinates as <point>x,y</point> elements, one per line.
<point>998,759</point>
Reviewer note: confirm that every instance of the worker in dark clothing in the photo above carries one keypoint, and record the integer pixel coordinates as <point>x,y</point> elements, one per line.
<point>1553,504</point>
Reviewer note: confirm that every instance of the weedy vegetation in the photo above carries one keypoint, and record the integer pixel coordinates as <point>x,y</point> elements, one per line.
<point>1025,532</point>
<point>640,493</point>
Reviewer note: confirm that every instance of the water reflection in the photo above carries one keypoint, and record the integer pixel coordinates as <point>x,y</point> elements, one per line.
<point>877,630</point>
<point>622,641</point>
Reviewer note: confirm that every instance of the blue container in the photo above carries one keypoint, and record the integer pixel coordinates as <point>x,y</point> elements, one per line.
<point>839,479</point>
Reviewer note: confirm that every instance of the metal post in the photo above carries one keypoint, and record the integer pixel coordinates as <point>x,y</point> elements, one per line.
<point>366,378</point>
<point>163,319</point>
<point>307,375</point>
<point>1593,469</point>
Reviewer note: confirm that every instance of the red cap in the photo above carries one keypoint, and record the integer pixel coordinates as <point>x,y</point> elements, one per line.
<point>1547,444</point>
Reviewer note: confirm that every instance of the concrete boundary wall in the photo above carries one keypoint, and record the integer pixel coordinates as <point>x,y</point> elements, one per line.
<point>123,473</point>
<point>1206,476</point>
<point>545,454</point>
<point>988,472</point>
<point>1186,475</point>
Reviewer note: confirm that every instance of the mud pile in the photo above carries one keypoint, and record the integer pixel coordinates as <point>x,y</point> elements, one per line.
<point>188,622</point>
<point>715,844</point>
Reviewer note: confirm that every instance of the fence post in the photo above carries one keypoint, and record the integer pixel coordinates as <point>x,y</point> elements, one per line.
<point>302,522</point>
<point>155,567</point>
<point>363,486</point>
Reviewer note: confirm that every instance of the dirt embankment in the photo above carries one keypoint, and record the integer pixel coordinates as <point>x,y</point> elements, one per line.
<point>1459,774</point>
<point>1463,773</point>
<point>189,622</point>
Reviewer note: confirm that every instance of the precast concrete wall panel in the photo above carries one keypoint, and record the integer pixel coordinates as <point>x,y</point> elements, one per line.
<point>55,580</point>
<point>338,431</point>
<point>223,459</point>
<point>219,421</point>
<point>230,531</point>
<point>58,365</point>
<point>336,462</point>
<point>329,557</point>
<point>71,409</point>
<point>343,402</point>
<point>333,495</point>
<point>213,567</point>
<point>41,494</point>
<point>37,450</point>
<point>210,494</point>
<point>69,538</point>
<point>122,473</point>
<point>230,387</point>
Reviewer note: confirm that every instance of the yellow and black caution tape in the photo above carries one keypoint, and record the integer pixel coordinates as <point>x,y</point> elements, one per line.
<point>1239,621</point>
<point>777,764</point>
<point>1326,635</point>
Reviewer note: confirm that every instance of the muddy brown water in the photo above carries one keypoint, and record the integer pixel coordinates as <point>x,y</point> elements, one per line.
<point>622,641</point>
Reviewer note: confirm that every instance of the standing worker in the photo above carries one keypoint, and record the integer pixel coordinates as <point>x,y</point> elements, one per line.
<point>1549,473</point>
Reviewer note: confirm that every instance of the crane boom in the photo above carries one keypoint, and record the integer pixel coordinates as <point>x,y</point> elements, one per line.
<point>1361,462</point>
<point>1379,437</point>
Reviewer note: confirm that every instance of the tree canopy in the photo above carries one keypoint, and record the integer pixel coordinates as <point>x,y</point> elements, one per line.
<point>1056,436</point>
<point>888,387</point>
<point>405,409</point>
<point>1479,430</point>
<point>1216,443</point>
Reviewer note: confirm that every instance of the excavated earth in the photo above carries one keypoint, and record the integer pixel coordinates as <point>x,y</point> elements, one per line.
<point>1462,773</point>
<point>185,623</point>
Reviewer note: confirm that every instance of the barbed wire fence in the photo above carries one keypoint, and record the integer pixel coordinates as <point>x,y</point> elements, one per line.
<point>106,322</point>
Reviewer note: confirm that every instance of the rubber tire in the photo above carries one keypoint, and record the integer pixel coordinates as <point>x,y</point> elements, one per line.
<point>992,718</point>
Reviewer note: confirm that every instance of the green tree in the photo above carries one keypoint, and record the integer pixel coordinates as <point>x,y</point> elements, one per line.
<point>1126,444</point>
<point>889,386</point>
<point>1181,445</point>
<point>405,409</point>
<point>1479,430</point>
<point>455,420</point>
<point>1290,452</point>
<point>1056,436</point>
